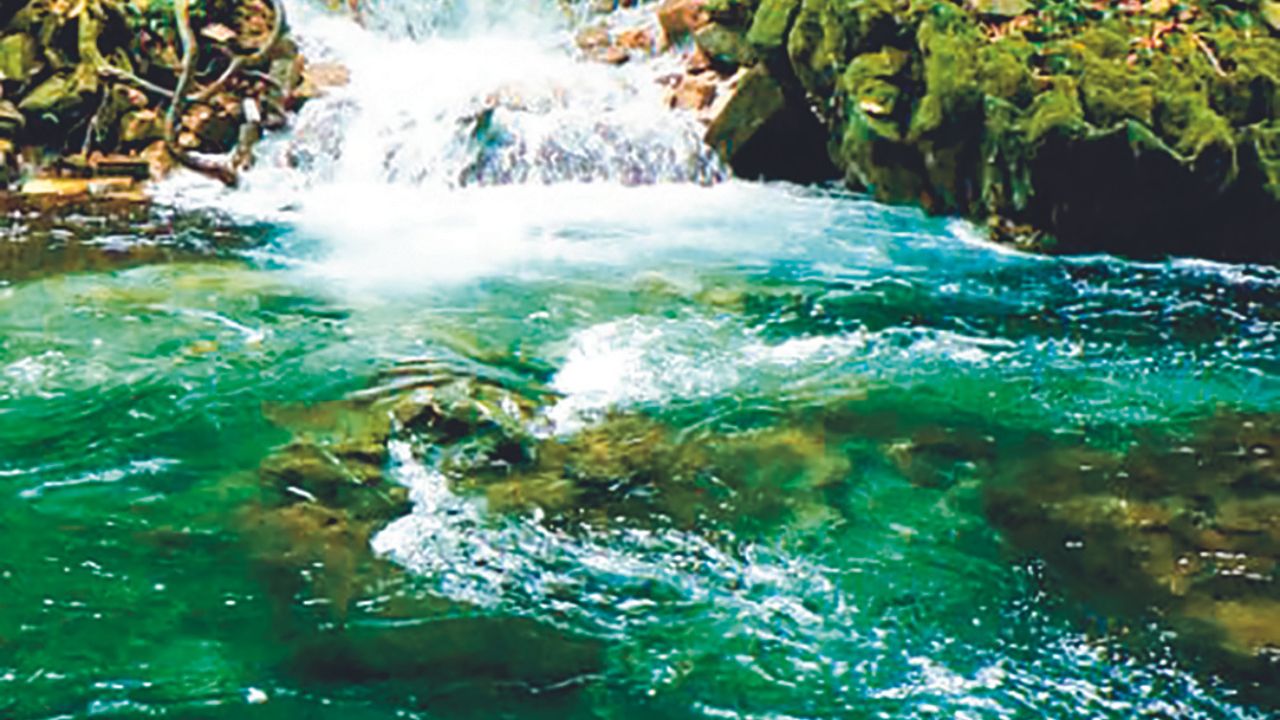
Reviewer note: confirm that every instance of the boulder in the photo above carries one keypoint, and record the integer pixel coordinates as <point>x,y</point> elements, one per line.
<point>680,18</point>
<point>18,59</point>
<point>762,132</point>
<point>771,23</point>
<point>723,47</point>
<point>1188,525</point>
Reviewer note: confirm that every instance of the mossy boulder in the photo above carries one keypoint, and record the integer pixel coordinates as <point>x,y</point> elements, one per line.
<point>724,46</point>
<point>764,131</point>
<point>1043,116</point>
<point>1186,521</point>
<point>18,58</point>
<point>771,23</point>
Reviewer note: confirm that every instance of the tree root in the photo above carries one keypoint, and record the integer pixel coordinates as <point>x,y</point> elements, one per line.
<point>226,168</point>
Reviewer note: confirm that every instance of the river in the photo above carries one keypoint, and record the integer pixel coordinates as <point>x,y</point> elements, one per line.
<point>479,203</point>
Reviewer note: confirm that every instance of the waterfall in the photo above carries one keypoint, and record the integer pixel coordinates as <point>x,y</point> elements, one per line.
<point>448,95</point>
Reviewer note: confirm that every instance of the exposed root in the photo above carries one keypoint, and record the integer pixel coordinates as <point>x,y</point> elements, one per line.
<point>226,168</point>
<point>1208,52</point>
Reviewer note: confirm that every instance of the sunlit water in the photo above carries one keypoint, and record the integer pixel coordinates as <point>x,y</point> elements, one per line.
<point>587,247</point>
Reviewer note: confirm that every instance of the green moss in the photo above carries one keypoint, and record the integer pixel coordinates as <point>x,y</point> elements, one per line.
<point>1250,93</point>
<point>818,45</point>
<point>1107,42</point>
<point>1003,71</point>
<point>1187,119</point>
<point>930,101</point>
<point>952,94</point>
<point>1056,111</point>
<point>771,22</point>
<point>1114,92</point>
<point>1005,182</point>
<point>1263,144</point>
<point>734,13</point>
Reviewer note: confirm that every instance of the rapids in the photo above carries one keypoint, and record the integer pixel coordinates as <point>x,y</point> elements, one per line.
<point>480,199</point>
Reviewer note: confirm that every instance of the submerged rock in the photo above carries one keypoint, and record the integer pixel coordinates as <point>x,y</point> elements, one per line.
<point>1189,525</point>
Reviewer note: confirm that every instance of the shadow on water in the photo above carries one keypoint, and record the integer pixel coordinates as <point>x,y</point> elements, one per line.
<point>47,237</point>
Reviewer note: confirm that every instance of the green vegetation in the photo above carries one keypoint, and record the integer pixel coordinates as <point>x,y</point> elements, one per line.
<point>1085,121</point>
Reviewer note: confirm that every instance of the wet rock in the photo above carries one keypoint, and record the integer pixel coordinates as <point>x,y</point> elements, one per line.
<point>311,549</point>
<point>723,47</point>
<point>318,78</point>
<point>491,649</point>
<point>141,127</point>
<point>761,132</point>
<point>117,188</point>
<point>592,38</point>
<point>693,92</point>
<point>98,165</point>
<point>1189,525</point>
<point>680,18</point>
<point>11,121</point>
<point>1096,135</point>
<point>638,39</point>
<point>771,23</point>
<point>18,59</point>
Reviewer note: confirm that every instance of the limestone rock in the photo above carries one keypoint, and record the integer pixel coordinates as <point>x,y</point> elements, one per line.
<point>680,18</point>
<point>761,132</point>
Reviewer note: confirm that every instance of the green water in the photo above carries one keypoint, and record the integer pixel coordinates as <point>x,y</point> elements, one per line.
<point>138,399</point>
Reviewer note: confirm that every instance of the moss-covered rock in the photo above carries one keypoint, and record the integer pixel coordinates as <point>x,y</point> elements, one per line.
<point>763,131</point>
<point>1187,523</point>
<point>1138,132</point>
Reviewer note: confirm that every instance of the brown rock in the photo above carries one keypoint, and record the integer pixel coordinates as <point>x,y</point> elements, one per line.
<point>692,92</point>
<point>762,132</point>
<point>159,161</point>
<point>613,55</point>
<point>679,18</point>
<point>697,61</point>
<point>109,187</point>
<point>141,127</point>
<point>218,32</point>
<point>592,38</point>
<point>639,39</point>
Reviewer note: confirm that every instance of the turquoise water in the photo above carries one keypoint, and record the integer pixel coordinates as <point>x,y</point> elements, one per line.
<point>776,558</point>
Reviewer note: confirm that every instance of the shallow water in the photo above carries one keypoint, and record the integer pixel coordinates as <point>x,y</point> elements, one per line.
<point>786,338</point>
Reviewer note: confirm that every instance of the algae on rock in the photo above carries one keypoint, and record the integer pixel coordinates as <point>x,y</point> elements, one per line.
<point>1142,132</point>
